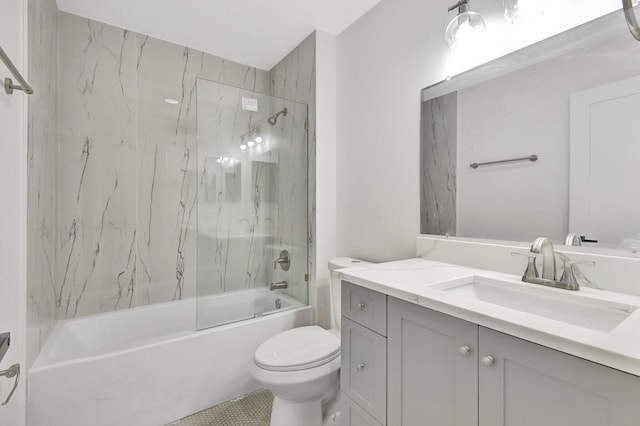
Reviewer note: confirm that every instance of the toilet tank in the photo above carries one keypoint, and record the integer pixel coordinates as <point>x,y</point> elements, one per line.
<point>335,284</point>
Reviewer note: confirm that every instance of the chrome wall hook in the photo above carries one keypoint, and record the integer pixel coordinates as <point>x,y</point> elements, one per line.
<point>9,373</point>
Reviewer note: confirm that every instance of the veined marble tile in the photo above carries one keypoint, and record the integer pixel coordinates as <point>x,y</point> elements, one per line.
<point>97,206</point>
<point>42,149</point>
<point>294,78</point>
<point>97,79</point>
<point>41,228</point>
<point>166,215</point>
<point>234,74</point>
<point>438,165</point>
<point>166,169</point>
<point>135,242</point>
<point>43,55</point>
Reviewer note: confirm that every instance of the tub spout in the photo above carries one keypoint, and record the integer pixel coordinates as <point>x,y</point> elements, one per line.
<point>279,285</point>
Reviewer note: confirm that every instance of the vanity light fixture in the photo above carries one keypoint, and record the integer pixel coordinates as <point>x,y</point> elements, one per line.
<point>465,28</point>
<point>630,15</point>
<point>521,10</point>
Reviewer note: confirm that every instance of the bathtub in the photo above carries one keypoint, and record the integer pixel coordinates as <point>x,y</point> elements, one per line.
<point>148,366</point>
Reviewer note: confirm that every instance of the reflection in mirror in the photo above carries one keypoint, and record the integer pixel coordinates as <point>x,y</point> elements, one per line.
<point>571,101</point>
<point>210,180</point>
<point>266,178</point>
<point>233,183</point>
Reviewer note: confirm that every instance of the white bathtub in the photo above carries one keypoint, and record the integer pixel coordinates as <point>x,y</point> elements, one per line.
<point>147,366</point>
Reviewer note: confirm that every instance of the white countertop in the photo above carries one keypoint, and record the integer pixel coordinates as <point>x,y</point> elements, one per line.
<point>414,280</point>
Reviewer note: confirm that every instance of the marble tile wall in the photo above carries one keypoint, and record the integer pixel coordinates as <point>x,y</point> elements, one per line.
<point>294,78</point>
<point>42,166</point>
<point>438,165</point>
<point>128,168</point>
<point>128,172</point>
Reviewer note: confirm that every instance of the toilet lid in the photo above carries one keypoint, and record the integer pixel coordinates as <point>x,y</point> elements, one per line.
<point>298,349</point>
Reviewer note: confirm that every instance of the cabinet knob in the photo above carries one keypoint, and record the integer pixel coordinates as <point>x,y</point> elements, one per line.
<point>464,350</point>
<point>360,366</point>
<point>361,305</point>
<point>488,361</point>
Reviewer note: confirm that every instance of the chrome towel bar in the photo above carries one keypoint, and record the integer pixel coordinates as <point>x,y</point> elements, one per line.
<point>531,158</point>
<point>9,87</point>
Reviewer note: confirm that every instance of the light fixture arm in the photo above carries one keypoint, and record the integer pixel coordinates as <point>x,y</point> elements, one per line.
<point>462,6</point>
<point>630,16</point>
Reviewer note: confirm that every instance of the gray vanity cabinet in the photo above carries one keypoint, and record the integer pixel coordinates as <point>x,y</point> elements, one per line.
<point>526,384</point>
<point>432,367</point>
<point>363,371</point>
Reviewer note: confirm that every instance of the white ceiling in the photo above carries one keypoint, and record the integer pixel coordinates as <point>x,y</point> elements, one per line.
<point>253,32</point>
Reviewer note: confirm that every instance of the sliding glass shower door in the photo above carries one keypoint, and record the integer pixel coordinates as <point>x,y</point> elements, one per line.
<point>252,245</point>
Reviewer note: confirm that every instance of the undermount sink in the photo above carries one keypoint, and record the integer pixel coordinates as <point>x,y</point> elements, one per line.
<point>565,306</point>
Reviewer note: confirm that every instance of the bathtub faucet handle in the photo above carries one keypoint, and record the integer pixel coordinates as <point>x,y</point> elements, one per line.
<point>284,261</point>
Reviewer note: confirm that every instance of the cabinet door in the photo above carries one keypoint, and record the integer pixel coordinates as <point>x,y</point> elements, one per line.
<point>432,367</point>
<point>531,385</point>
<point>354,415</point>
<point>363,375</point>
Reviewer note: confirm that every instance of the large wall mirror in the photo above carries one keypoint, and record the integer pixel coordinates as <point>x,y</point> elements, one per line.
<point>569,109</point>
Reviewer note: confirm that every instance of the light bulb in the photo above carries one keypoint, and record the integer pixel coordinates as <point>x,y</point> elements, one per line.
<point>521,10</point>
<point>465,29</point>
<point>243,147</point>
<point>251,144</point>
<point>259,139</point>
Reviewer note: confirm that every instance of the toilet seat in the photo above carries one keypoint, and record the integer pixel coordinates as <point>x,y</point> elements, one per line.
<point>298,349</point>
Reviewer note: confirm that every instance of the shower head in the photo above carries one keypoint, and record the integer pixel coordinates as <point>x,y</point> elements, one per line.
<point>274,118</point>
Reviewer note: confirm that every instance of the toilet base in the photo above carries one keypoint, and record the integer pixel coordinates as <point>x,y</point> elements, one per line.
<point>296,413</point>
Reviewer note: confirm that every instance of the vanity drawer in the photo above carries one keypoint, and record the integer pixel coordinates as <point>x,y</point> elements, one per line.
<point>363,375</point>
<point>364,306</point>
<point>354,415</point>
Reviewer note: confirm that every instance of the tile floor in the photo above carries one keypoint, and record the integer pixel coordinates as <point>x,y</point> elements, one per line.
<point>253,409</point>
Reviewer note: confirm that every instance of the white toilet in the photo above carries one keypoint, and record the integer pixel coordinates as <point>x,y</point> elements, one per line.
<point>301,366</point>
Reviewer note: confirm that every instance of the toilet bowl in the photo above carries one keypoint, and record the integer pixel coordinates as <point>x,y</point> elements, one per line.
<point>301,366</point>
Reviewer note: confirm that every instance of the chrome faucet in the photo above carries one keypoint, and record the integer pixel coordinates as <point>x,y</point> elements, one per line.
<point>544,246</point>
<point>572,278</point>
